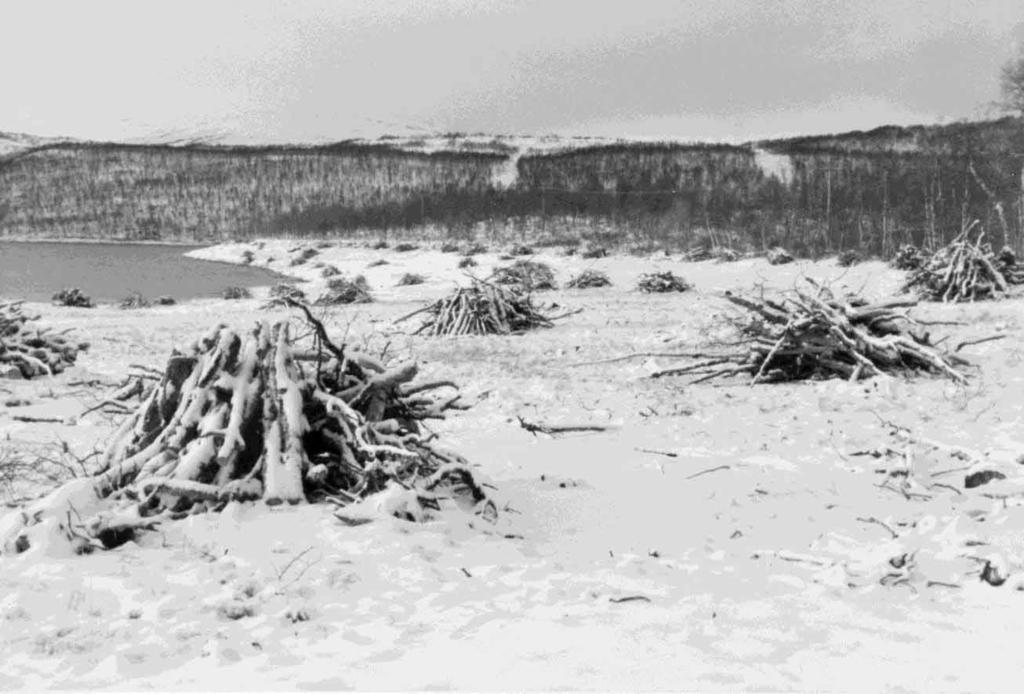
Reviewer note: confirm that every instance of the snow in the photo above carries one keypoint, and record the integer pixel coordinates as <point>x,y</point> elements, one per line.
<point>750,543</point>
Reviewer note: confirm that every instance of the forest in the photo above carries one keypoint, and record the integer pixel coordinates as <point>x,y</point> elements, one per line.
<point>872,191</point>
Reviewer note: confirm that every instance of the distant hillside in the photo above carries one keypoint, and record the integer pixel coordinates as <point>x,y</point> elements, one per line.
<point>12,143</point>
<point>873,190</point>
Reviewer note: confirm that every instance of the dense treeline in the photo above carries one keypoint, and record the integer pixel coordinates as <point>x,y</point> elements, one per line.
<point>869,190</point>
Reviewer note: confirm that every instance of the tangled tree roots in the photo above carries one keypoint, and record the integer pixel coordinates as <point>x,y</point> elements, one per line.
<point>661,282</point>
<point>27,350</point>
<point>251,416</point>
<point>966,270</point>
<point>481,309</point>
<point>812,334</point>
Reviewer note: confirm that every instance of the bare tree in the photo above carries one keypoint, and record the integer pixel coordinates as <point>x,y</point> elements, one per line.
<point>1012,83</point>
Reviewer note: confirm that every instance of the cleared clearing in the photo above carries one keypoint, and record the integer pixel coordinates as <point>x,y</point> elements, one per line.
<point>719,536</point>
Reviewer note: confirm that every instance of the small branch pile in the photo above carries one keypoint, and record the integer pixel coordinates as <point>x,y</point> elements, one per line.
<point>589,279</point>
<point>965,270</point>
<point>481,309</point>
<point>74,298</point>
<point>282,293</point>
<point>779,256</point>
<point>344,291</point>
<point>849,258</point>
<point>528,275</point>
<point>809,335</point>
<point>410,278</point>
<point>662,282</point>
<point>27,350</point>
<point>909,257</point>
<point>251,416</point>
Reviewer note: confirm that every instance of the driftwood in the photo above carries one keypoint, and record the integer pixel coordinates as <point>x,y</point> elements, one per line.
<point>813,334</point>
<point>481,309</point>
<point>28,350</point>
<point>245,416</point>
<point>966,270</point>
<point>552,429</point>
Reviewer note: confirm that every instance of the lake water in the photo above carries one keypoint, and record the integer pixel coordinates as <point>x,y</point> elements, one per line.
<point>109,272</point>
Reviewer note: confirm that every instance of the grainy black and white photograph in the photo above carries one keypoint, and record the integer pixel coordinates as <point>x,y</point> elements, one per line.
<point>512,345</point>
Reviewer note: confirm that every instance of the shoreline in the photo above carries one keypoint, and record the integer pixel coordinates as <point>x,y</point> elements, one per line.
<point>108,242</point>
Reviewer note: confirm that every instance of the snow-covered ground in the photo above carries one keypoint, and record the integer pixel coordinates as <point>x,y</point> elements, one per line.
<point>755,545</point>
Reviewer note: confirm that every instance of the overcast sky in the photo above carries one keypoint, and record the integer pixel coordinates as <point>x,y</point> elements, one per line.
<point>271,70</point>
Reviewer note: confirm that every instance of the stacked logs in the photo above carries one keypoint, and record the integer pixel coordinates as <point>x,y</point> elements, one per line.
<point>27,350</point>
<point>813,334</point>
<point>244,416</point>
<point>965,270</point>
<point>481,309</point>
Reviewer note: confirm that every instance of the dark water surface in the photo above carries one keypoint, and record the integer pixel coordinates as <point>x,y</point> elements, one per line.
<point>111,271</point>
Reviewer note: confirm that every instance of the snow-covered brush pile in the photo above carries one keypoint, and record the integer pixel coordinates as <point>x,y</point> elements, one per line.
<point>778,256</point>
<point>849,258</point>
<point>589,279</point>
<point>909,257</point>
<point>965,270</point>
<point>481,309</point>
<point>527,275</point>
<point>73,297</point>
<point>28,350</point>
<point>246,416</point>
<point>283,292</point>
<point>813,334</point>
<point>344,291</point>
<point>661,283</point>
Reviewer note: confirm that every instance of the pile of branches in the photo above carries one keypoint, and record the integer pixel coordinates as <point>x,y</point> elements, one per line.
<point>481,309</point>
<point>697,253</point>
<point>282,293</point>
<point>527,275</point>
<point>589,279</point>
<point>662,282</point>
<point>257,415</point>
<point>965,270</point>
<point>813,334</point>
<point>136,300</point>
<point>779,256</point>
<point>27,350</point>
<point>411,278</point>
<point>74,298</point>
<point>235,293</point>
<point>344,291</point>
<point>909,257</point>
<point>849,258</point>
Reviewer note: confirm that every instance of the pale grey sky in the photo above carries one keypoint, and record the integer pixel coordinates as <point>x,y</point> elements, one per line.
<point>270,70</point>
